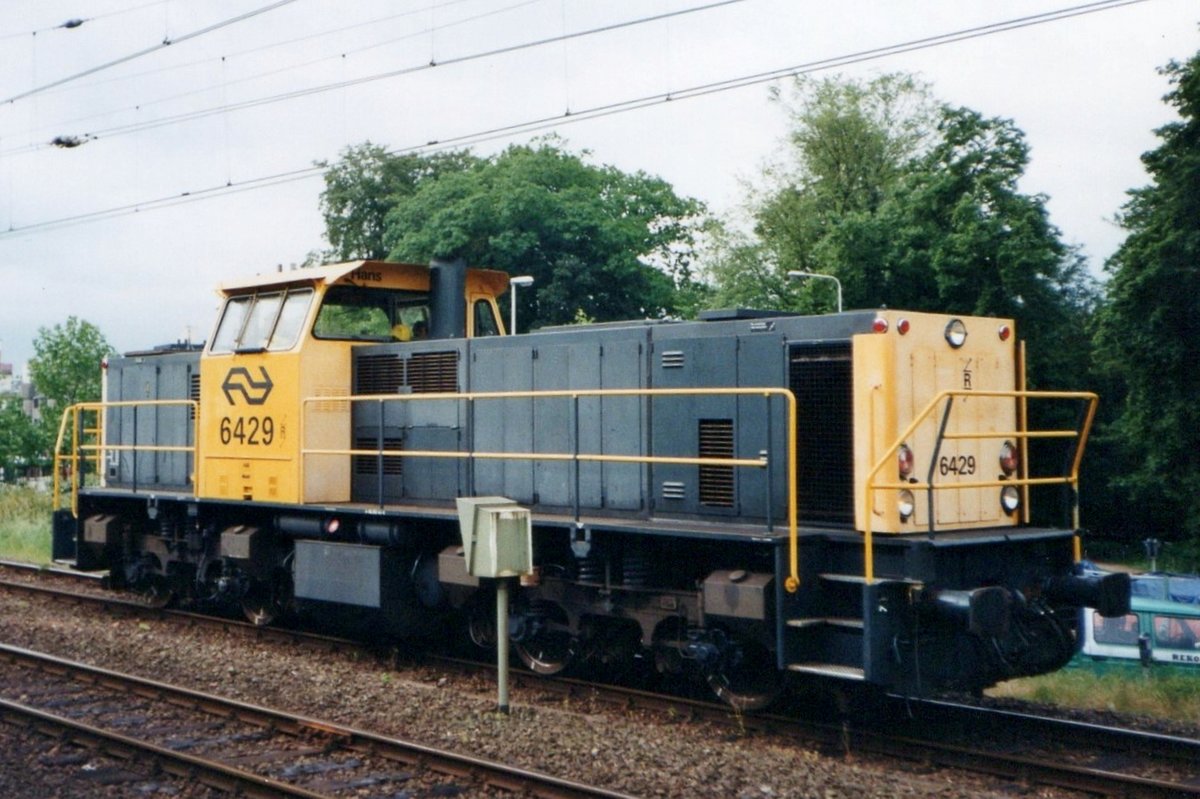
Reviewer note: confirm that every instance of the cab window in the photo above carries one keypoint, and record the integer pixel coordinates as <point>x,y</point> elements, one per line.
<point>1122,630</point>
<point>260,322</point>
<point>355,314</point>
<point>485,319</point>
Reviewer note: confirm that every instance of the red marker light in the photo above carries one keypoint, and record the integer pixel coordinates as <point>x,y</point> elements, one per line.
<point>902,326</point>
<point>1004,332</point>
<point>880,325</point>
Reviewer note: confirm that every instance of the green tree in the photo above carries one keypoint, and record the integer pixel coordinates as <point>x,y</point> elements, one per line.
<point>851,145</point>
<point>66,368</point>
<point>961,238</point>
<point>364,184</point>
<point>1149,328</point>
<point>598,241</point>
<point>912,205</point>
<point>21,442</point>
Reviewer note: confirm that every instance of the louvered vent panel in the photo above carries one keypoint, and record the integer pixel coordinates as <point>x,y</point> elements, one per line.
<point>379,374</point>
<point>673,489</point>
<point>716,482</point>
<point>368,465</point>
<point>193,393</point>
<point>433,372</point>
<point>672,359</point>
<point>820,377</point>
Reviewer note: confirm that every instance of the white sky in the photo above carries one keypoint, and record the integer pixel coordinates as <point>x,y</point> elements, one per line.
<point>1085,90</point>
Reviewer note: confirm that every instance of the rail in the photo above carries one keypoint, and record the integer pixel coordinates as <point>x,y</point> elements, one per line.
<point>70,465</point>
<point>792,583</point>
<point>1023,435</point>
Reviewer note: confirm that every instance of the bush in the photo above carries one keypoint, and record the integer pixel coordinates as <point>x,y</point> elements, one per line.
<point>24,524</point>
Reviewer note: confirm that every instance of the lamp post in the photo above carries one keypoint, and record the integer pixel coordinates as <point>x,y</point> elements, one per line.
<point>513,282</point>
<point>796,273</point>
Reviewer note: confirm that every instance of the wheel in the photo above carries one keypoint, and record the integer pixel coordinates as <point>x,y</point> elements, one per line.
<point>267,600</point>
<point>156,591</point>
<point>745,677</point>
<point>550,648</point>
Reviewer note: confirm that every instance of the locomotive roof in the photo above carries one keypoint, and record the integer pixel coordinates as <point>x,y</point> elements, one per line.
<point>491,279</point>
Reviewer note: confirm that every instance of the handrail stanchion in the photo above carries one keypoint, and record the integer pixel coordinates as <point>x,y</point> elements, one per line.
<point>766,453</point>
<point>379,458</point>
<point>81,452</point>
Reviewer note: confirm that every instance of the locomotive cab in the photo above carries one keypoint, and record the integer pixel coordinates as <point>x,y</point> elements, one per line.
<point>286,337</point>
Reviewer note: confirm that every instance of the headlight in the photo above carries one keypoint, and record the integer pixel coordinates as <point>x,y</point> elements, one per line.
<point>956,333</point>
<point>906,504</point>
<point>1010,499</point>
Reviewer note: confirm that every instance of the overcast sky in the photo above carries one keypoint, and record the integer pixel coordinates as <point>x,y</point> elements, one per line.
<point>1084,89</point>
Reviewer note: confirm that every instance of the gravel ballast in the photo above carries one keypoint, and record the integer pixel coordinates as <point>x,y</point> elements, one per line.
<point>639,753</point>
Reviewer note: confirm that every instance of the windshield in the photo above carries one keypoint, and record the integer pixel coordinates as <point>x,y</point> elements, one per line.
<point>258,322</point>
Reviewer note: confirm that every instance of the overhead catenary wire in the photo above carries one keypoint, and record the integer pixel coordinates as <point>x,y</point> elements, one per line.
<point>148,50</point>
<point>225,84</point>
<point>234,54</point>
<point>75,22</point>
<point>203,113</point>
<point>530,126</point>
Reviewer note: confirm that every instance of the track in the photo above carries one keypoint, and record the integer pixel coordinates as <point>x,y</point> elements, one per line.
<point>241,748</point>
<point>1030,750</point>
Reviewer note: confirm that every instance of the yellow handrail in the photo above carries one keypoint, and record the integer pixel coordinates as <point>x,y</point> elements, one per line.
<point>76,454</point>
<point>1081,434</point>
<point>792,583</point>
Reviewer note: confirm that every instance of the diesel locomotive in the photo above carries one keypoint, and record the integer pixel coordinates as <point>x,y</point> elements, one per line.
<point>753,497</point>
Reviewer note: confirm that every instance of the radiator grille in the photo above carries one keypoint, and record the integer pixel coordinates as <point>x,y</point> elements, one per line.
<point>716,482</point>
<point>379,374</point>
<point>820,377</point>
<point>193,394</point>
<point>433,372</point>
<point>368,465</point>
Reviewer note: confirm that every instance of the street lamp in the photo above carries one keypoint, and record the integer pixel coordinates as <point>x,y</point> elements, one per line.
<point>796,273</point>
<point>513,282</point>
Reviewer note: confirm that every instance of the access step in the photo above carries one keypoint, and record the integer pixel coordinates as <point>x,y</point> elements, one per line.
<point>827,621</point>
<point>829,670</point>
<point>861,580</point>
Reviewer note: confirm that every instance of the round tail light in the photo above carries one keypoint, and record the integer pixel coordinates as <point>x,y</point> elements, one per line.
<point>1010,458</point>
<point>904,460</point>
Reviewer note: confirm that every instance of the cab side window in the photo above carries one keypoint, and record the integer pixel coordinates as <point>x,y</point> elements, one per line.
<point>485,319</point>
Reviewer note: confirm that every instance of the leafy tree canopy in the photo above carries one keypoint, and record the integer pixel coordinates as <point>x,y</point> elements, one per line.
<point>364,185</point>
<point>1148,330</point>
<point>914,205</point>
<point>21,444</point>
<point>65,367</point>
<point>600,243</point>
<point>597,240</point>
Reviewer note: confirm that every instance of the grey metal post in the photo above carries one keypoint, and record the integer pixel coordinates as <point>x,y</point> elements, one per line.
<point>502,643</point>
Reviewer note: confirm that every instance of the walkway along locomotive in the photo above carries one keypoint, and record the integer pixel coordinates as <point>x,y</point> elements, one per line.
<point>749,497</point>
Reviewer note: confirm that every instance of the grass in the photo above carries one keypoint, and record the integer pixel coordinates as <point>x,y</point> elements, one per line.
<point>1161,692</point>
<point>24,524</point>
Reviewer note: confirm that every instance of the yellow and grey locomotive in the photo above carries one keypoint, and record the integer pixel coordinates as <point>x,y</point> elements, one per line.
<point>751,497</point>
